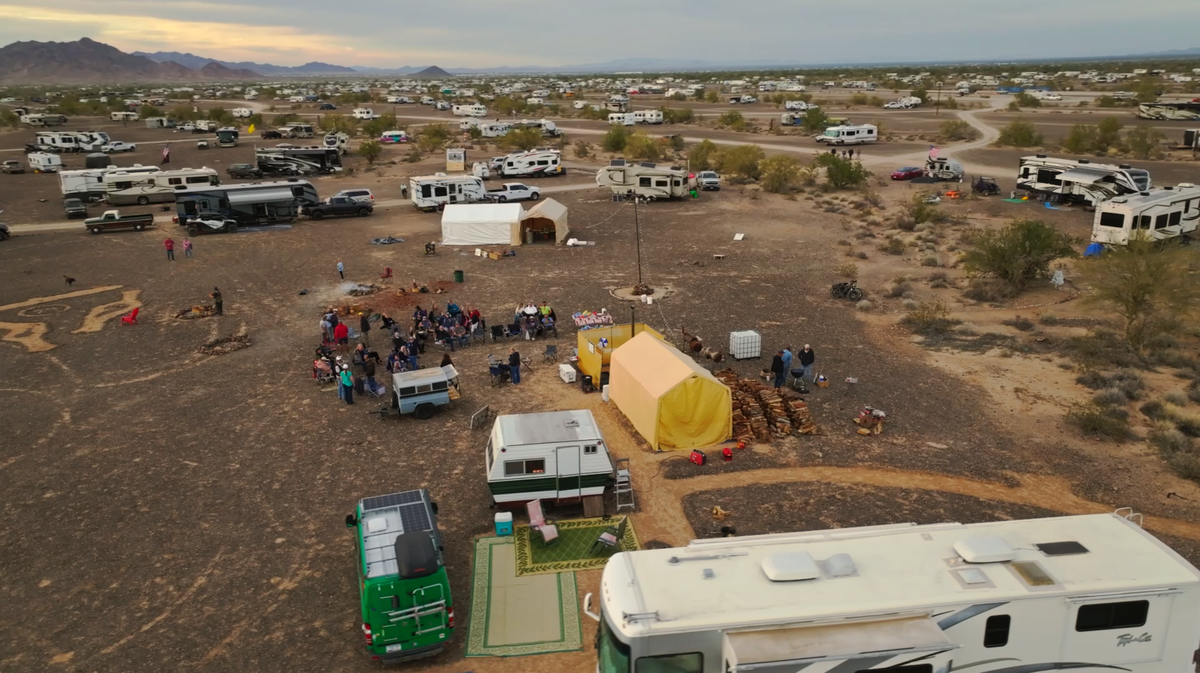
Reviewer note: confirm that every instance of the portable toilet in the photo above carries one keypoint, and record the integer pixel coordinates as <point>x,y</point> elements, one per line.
<point>456,159</point>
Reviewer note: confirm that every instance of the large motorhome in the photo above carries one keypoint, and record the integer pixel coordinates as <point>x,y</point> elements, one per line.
<point>849,135</point>
<point>535,164</point>
<point>313,159</point>
<point>1158,214</point>
<point>1092,592</point>
<point>227,136</point>
<point>1079,181</point>
<point>431,192</point>
<point>645,180</point>
<point>247,203</point>
<point>88,184</point>
<point>475,110</point>
<point>124,188</point>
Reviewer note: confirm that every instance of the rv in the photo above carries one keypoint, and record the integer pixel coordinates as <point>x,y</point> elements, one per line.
<point>534,101</point>
<point>123,188</point>
<point>547,127</point>
<point>1191,139</point>
<point>475,110</point>
<point>558,455</point>
<point>338,141</point>
<point>44,120</point>
<point>645,180</point>
<point>849,135</point>
<point>88,184</point>
<point>1092,592</point>
<point>944,168</point>
<point>123,116</point>
<point>56,141</point>
<point>1079,181</point>
<point>159,123</point>
<point>1157,215</point>
<point>227,136</point>
<point>44,162</point>
<point>393,137</point>
<point>297,130</point>
<point>314,159</point>
<point>241,112</point>
<point>495,129</point>
<point>621,118</point>
<point>798,105</point>
<point>648,117</point>
<point>431,192</point>
<point>616,106</point>
<point>426,100</point>
<point>535,164</point>
<point>247,203</point>
<point>365,113</point>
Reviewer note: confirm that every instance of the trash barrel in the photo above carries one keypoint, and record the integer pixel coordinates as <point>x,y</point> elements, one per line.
<point>458,276</point>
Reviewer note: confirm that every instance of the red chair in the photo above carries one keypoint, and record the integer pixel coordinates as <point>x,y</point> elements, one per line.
<point>130,319</point>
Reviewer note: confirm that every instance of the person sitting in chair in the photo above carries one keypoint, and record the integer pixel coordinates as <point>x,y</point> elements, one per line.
<point>548,325</point>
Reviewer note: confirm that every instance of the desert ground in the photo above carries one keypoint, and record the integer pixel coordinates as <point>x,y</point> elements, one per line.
<point>170,510</point>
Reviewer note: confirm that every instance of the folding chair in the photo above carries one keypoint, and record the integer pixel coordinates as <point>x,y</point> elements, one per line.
<point>514,330</point>
<point>539,522</point>
<point>610,538</point>
<point>551,354</point>
<point>498,332</point>
<point>131,319</point>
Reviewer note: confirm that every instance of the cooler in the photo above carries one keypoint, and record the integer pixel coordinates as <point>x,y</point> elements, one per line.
<point>504,523</point>
<point>745,345</point>
<point>566,373</point>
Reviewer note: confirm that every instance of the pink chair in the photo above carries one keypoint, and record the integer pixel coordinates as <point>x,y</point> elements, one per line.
<point>538,521</point>
<point>130,319</point>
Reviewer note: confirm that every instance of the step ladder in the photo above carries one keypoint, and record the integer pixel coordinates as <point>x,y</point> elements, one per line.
<point>624,486</point>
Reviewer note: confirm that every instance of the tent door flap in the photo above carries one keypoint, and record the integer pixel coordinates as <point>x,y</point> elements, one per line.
<point>567,461</point>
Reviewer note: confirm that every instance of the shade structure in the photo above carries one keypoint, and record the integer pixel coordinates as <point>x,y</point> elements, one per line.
<point>547,216</point>
<point>670,399</point>
<point>482,224</point>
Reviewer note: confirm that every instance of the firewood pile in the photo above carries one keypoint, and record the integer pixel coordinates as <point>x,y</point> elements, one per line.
<point>761,413</point>
<point>225,345</point>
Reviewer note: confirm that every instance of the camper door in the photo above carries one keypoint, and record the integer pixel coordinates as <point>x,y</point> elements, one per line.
<point>567,461</point>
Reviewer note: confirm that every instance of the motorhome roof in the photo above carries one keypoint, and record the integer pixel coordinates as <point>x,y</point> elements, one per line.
<point>241,186</point>
<point>1180,192</point>
<point>548,427</point>
<point>902,568</point>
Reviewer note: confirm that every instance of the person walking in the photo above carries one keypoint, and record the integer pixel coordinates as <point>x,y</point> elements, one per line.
<point>341,270</point>
<point>364,326</point>
<point>170,246</point>
<point>187,247</point>
<point>777,369</point>
<point>218,301</point>
<point>807,358</point>
<point>514,365</point>
<point>347,385</point>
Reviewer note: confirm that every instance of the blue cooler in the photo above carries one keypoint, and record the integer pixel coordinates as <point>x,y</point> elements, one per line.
<point>504,523</point>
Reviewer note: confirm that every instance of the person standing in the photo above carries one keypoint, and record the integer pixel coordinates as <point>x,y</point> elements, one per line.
<point>347,385</point>
<point>364,326</point>
<point>187,247</point>
<point>341,270</point>
<point>170,246</point>
<point>218,301</point>
<point>787,361</point>
<point>326,336</point>
<point>777,368</point>
<point>341,335</point>
<point>807,358</point>
<point>514,365</point>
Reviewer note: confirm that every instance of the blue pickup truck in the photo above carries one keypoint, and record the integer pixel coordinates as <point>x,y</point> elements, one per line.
<point>422,391</point>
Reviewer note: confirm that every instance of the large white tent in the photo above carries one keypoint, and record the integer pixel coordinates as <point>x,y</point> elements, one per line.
<point>482,224</point>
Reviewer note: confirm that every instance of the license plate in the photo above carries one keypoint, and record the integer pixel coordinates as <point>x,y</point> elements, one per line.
<point>393,648</point>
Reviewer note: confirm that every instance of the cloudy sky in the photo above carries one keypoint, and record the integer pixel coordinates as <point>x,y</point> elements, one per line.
<point>472,33</point>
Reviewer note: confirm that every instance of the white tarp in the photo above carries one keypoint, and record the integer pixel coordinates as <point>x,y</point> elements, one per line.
<point>482,224</point>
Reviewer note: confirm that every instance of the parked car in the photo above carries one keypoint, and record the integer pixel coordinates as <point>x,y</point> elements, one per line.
<point>117,146</point>
<point>244,171</point>
<point>360,195</point>
<point>709,180</point>
<point>907,173</point>
<point>112,219</point>
<point>12,166</point>
<point>327,106</point>
<point>188,127</point>
<point>74,208</point>
<point>338,206</point>
<point>270,135</point>
<point>514,191</point>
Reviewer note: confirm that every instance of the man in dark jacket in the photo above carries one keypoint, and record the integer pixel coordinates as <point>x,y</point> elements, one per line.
<point>777,369</point>
<point>514,365</point>
<point>807,358</point>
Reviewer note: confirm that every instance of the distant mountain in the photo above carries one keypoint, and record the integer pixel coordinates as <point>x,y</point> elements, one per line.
<point>215,70</point>
<point>87,61</point>
<point>197,62</point>
<point>432,72</point>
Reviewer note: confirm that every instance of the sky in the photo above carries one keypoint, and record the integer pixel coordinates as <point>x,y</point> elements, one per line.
<point>479,34</point>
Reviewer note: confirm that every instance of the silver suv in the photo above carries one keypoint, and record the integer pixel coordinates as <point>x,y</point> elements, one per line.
<point>359,195</point>
<point>709,180</point>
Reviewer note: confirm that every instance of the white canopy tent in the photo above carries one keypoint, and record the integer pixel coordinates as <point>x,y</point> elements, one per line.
<point>545,217</point>
<point>482,224</point>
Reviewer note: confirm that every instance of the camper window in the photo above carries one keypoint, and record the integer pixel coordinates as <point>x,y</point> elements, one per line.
<point>692,662</point>
<point>1175,218</point>
<point>425,388</point>
<point>1048,177</point>
<point>1145,223</point>
<point>995,632</point>
<point>589,449</point>
<point>914,668</point>
<point>297,191</point>
<point>426,190</point>
<point>662,183</point>
<point>514,468</point>
<point>198,180</point>
<point>440,385</point>
<point>439,191</point>
<point>1025,172</point>
<point>1160,222</point>
<point>643,182</point>
<point>1114,220</point>
<point>1104,616</point>
<point>174,181</point>
<point>543,162</point>
<point>124,185</point>
<point>612,653</point>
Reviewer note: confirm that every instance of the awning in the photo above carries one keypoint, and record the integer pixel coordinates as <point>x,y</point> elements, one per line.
<point>767,649</point>
<point>1084,175</point>
<point>260,195</point>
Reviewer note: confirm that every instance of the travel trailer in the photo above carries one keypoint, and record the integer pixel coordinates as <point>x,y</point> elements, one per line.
<point>70,141</point>
<point>534,101</point>
<point>364,113</point>
<point>944,168</point>
<point>430,192</point>
<point>247,203</point>
<point>297,130</point>
<point>475,110</point>
<point>241,112</point>
<point>1092,592</point>
<point>43,120</point>
<point>495,129</point>
<point>557,455</point>
<point>621,118</point>
<point>1079,181</point>
<point>647,117</point>
<point>88,184</point>
<point>548,128</point>
<point>44,162</point>
<point>849,135</point>
<point>645,180</point>
<point>123,116</point>
<point>1158,214</point>
<point>535,164</point>
<point>798,105</point>
<point>338,141</point>
<point>124,188</point>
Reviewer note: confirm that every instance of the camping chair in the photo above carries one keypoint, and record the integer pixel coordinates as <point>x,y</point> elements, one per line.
<point>387,273</point>
<point>610,538</point>
<point>539,522</point>
<point>131,319</point>
<point>551,354</point>
<point>498,332</point>
<point>514,330</point>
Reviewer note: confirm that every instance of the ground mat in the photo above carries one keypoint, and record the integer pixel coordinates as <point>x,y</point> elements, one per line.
<point>515,616</point>
<point>573,551</point>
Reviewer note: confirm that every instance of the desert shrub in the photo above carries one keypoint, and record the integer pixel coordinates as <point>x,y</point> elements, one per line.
<point>615,139</point>
<point>582,149</point>
<point>1128,382</point>
<point>814,120</point>
<point>1098,421</point>
<point>641,147</point>
<point>929,318</point>
<point>893,246</point>
<point>1027,100</point>
<point>847,270</point>
<point>778,173</point>
<point>733,119</point>
<point>898,289</point>
<point>929,261</point>
<point>741,161</point>
<point>842,173</point>
<point>1018,253</point>
<point>1048,318</point>
<point>864,305</point>
<point>981,289</point>
<point>969,329</point>
<point>1093,379</point>
<point>862,255</point>
<point>957,130</point>
<point>1108,397</point>
<point>1081,139</point>
<point>413,156</point>
<point>1176,397</point>
<point>1186,420</point>
<point>1145,142</point>
<point>1193,392</point>
<point>909,304</point>
<point>677,116</point>
<point>1152,410</point>
<point>905,223</point>
<point>521,139</point>
<point>1165,437</point>
<point>1020,323</point>
<point>1019,133</point>
<point>370,150</point>
<point>1185,464</point>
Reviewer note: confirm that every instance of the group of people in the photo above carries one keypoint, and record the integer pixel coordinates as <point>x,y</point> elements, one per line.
<point>781,364</point>
<point>535,321</point>
<point>845,154</point>
<point>169,244</point>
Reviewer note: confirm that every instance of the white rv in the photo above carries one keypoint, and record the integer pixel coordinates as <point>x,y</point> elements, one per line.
<point>123,116</point>
<point>364,113</point>
<point>944,168</point>
<point>620,118</point>
<point>242,112</point>
<point>475,110</point>
<point>534,101</point>
<point>1079,181</point>
<point>494,129</point>
<point>88,184</point>
<point>431,192</point>
<point>124,188</point>
<point>1093,593</point>
<point>535,164</point>
<point>798,105</point>
<point>556,455</point>
<point>647,117</point>
<point>849,135</point>
<point>1157,214</point>
<point>44,162</point>
<point>645,180</point>
<point>340,141</point>
<point>43,119</point>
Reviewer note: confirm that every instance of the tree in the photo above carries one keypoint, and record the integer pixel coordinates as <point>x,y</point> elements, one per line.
<point>339,123</point>
<point>1153,287</point>
<point>1081,139</point>
<point>680,116</point>
<point>285,119</point>
<point>779,173</point>
<point>711,97</point>
<point>183,113</point>
<point>521,139</point>
<point>221,115</point>
<point>376,127</point>
<point>9,118</point>
<point>642,147</point>
<point>842,173</point>
<point>1019,133</point>
<point>741,161</point>
<point>702,156</point>
<point>1147,91</point>
<point>432,137</point>
<point>1143,142</point>
<point>814,120</point>
<point>615,139</point>
<point>1018,253</point>
<point>1108,134</point>
<point>370,150</point>
<point>920,92</point>
<point>255,119</point>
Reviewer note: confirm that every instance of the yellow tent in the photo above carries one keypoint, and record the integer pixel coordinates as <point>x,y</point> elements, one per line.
<point>597,345</point>
<point>674,402</point>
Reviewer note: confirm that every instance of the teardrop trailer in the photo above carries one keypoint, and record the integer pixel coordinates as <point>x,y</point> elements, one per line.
<point>407,611</point>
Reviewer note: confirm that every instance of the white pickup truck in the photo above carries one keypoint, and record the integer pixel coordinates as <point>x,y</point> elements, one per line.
<point>513,191</point>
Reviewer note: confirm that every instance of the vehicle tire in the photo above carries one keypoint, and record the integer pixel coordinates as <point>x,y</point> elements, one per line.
<point>501,199</point>
<point>142,200</point>
<point>193,231</point>
<point>363,212</point>
<point>317,215</point>
<point>425,411</point>
<point>854,294</point>
<point>534,196</point>
<point>231,228</point>
<point>94,230</point>
<point>139,227</point>
<point>835,292</point>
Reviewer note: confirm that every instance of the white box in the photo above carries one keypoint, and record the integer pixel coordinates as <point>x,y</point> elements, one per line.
<point>745,345</point>
<point>566,373</point>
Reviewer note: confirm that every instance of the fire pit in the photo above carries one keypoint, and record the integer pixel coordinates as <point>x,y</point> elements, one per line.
<point>196,312</point>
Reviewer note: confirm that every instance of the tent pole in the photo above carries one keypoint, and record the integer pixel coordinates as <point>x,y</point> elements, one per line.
<point>637,229</point>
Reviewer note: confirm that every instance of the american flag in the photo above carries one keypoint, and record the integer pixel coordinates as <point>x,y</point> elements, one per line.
<point>933,151</point>
<point>166,158</point>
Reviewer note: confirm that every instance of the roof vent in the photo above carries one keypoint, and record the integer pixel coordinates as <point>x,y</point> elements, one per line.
<point>617,162</point>
<point>1084,161</point>
<point>790,567</point>
<point>984,549</point>
<point>840,565</point>
<point>1065,548</point>
<point>1168,189</point>
<point>1124,166</point>
<point>571,423</point>
<point>648,164</point>
<point>1185,184</point>
<point>376,525</point>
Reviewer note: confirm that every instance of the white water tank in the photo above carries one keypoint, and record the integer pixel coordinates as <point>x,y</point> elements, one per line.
<point>745,345</point>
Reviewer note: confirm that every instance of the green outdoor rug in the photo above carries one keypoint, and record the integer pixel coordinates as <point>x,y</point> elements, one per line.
<point>515,616</point>
<point>573,551</point>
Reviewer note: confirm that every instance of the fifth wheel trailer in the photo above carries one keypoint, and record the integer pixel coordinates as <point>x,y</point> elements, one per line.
<point>1079,181</point>
<point>1092,592</point>
<point>645,180</point>
<point>1158,214</point>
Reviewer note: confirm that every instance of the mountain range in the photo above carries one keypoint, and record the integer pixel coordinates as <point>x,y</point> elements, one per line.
<point>88,61</point>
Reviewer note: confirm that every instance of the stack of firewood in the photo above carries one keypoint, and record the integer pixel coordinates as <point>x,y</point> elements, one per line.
<point>761,412</point>
<point>749,422</point>
<point>797,410</point>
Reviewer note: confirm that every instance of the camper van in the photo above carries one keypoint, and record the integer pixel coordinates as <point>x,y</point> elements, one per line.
<point>1079,181</point>
<point>123,116</point>
<point>88,184</point>
<point>645,180</point>
<point>246,203</point>
<point>475,110</point>
<point>124,188</point>
<point>849,135</point>
<point>1158,214</point>
<point>44,162</point>
<point>364,113</point>
<point>648,117</point>
<point>556,455</point>
<point>430,192</point>
<point>1092,592</point>
<point>621,118</point>
<point>535,164</point>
